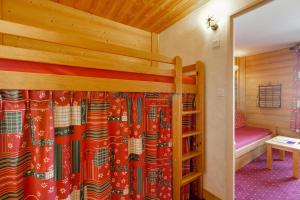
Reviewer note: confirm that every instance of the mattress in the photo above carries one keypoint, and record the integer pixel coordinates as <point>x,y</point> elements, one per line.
<point>247,135</point>
<point>44,68</point>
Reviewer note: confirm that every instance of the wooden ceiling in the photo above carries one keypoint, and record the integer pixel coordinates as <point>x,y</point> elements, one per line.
<point>149,15</point>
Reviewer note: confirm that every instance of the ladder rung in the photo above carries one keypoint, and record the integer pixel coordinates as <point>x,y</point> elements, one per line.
<point>191,112</point>
<point>190,134</point>
<point>190,155</point>
<point>190,177</point>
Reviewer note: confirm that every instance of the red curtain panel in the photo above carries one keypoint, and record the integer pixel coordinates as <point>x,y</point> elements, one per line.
<point>85,145</point>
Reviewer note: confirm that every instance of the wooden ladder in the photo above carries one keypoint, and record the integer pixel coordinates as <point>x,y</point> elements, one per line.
<point>178,157</point>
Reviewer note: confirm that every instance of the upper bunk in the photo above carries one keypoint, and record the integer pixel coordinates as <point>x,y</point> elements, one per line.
<point>24,68</point>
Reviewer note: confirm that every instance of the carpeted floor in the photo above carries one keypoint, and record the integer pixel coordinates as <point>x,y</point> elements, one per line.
<point>256,182</point>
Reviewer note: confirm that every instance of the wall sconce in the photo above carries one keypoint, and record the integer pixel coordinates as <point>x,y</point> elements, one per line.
<point>235,68</point>
<point>211,23</point>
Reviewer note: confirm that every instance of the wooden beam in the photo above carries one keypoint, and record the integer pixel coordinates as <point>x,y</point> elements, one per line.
<point>178,75</point>
<point>35,81</point>
<point>189,68</point>
<point>177,145</point>
<point>154,47</point>
<point>177,130</point>
<point>9,52</point>
<point>77,40</point>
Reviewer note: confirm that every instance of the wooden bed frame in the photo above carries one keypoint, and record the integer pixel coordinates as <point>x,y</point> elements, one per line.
<point>38,81</point>
<point>246,154</point>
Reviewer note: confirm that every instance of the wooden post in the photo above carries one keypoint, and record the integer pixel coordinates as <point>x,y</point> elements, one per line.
<point>154,47</point>
<point>281,154</point>
<point>177,130</point>
<point>200,123</point>
<point>269,156</point>
<point>296,164</point>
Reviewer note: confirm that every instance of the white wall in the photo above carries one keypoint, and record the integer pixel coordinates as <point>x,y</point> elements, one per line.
<point>192,40</point>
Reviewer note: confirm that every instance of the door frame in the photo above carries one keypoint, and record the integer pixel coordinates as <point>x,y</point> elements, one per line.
<point>230,58</point>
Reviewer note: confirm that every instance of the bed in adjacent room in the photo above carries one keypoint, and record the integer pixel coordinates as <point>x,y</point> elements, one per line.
<point>250,140</point>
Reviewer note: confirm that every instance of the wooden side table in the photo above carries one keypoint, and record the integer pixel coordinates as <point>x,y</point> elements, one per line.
<point>282,143</point>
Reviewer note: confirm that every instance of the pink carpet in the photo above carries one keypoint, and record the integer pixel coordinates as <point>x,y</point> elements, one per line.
<point>256,182</point>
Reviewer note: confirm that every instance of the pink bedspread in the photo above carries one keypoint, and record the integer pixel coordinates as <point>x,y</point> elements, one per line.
<point>247,135</point>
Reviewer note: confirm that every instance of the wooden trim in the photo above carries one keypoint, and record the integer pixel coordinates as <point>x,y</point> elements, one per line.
<point>209,196</point>
<point>177,145</point>
<point>200,99</point>
<point>200,121</point>
<point>33,81</point>
<point>178,75</point>
<point>9,52</point>
<point>230,105</point>
<point>77,40</point>
<point>189,68</point>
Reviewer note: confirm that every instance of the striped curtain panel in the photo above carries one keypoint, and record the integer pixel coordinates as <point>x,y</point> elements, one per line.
<point>85,145</point>
<point>295,111</point>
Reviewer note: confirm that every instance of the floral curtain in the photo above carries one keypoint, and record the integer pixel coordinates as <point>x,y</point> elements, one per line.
<point>85,145</point>
<point>295,117</point>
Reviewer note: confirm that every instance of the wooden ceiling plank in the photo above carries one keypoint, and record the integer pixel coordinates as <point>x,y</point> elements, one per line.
<point>114,11</point>
<point>107,8</point>
<point>149,15</point>
<point>124,15</point>
<point>146,7</point>
<point>155,11</point>
<point>97,6</point>
<point>134,10</point>
<point>67,2</point>
<point>166,15</point>
<point>83,5</point>
<point>161,12</point>
<point>180,16</point>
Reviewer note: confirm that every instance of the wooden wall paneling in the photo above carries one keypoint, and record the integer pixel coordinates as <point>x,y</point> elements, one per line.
<point>103,58</point>
<point>77,40</point>
<point>270,67</point>
<point>71,20</point>
<point>154,47</point>
<point>241,62</point>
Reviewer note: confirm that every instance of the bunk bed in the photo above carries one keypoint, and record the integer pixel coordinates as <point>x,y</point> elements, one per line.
<point>31,69</point>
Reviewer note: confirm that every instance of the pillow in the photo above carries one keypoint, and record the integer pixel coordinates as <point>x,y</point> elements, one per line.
<point>239,120</point>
